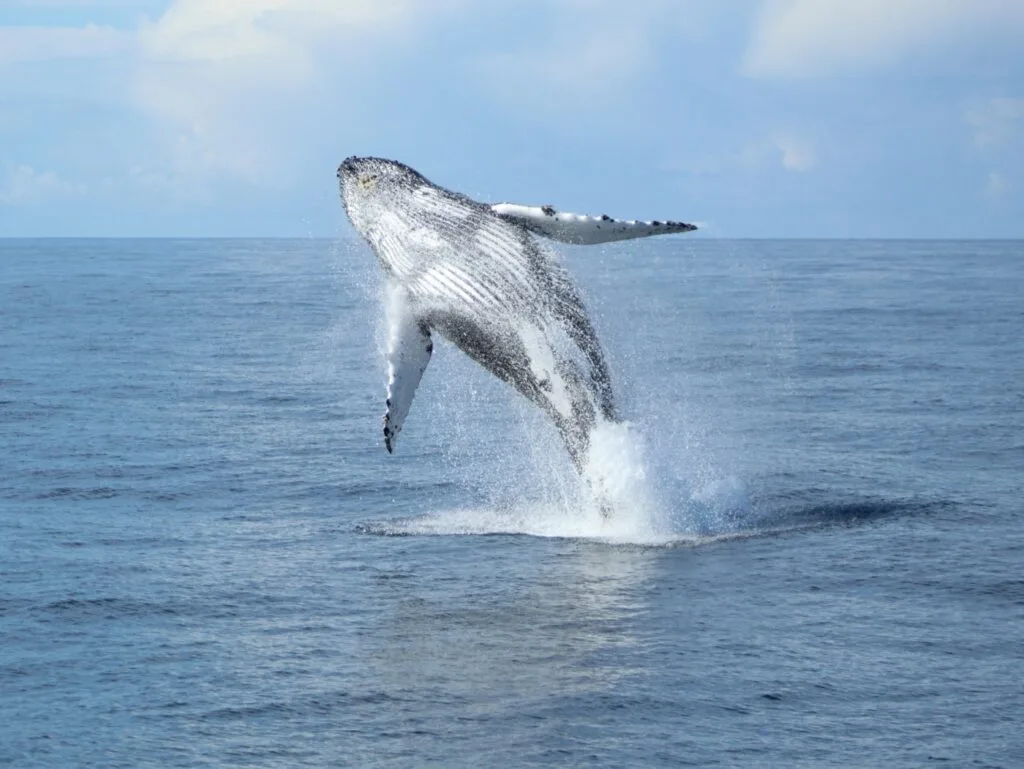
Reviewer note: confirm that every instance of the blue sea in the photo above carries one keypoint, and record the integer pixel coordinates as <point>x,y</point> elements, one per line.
<point>208,559</point>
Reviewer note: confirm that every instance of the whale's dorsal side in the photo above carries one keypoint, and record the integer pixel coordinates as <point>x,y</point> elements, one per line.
<point>581,229</point>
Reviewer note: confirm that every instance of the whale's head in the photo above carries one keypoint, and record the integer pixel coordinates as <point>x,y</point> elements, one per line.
<point>371,186</point>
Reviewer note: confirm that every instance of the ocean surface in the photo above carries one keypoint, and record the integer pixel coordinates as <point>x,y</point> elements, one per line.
<point>207,558</point>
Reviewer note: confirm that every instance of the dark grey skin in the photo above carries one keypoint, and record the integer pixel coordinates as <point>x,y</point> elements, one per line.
<point>483,282</point>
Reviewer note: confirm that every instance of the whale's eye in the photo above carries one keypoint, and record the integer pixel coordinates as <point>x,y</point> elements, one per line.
<point>366,181</point>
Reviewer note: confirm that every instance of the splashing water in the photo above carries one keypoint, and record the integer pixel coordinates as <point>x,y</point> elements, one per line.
<point>617,477</point>
<point>616,499</point>
<point>620,496</point>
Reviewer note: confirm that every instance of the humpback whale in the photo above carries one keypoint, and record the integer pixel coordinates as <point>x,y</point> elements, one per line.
<point>478,275</point>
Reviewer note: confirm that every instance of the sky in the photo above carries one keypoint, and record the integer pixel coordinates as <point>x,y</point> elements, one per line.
<point>752,118</point>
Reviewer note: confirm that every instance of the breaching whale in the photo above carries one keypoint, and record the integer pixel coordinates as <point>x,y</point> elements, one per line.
<point>477,275</point>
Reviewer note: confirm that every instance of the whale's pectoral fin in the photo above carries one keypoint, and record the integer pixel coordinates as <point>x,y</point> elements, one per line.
<point>409,349</point>
<point>580,229</point>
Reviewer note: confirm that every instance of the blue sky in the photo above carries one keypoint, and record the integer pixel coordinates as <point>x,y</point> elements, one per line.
<point>755,118</point>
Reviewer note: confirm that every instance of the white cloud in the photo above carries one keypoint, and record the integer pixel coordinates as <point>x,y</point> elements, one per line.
<point>208,30</point>
<point>808,38</point>
<point>23,184</point>
<point>228,86</point>
<point>225,79</point>
<point>28,44</point>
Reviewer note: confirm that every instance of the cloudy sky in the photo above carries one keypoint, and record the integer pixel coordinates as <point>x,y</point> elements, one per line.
<point>756,118</point>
